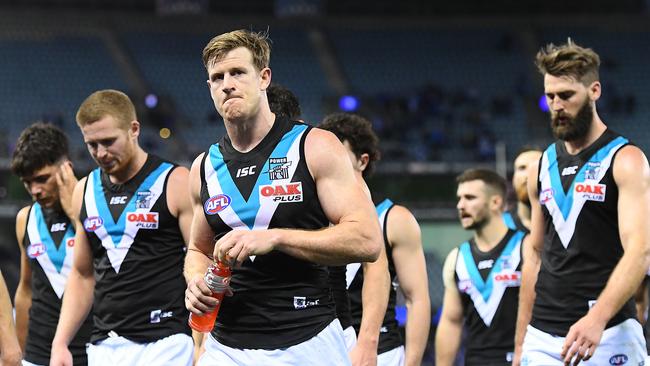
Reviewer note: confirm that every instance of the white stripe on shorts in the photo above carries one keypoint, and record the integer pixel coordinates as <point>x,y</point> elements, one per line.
<point>350,337</point>
<point>177,349</point>
<point>394,357</point>
<point>327,348</point>
<point>622,344</point>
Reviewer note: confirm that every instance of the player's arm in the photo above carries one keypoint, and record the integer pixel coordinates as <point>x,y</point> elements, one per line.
<point>355,235</point>
<point>408,256</point>
<point>23,296</point>
<point>532,257</point>
<point>180,205</point>
<point>178,198</point>
<point>450,326</point>
<point>9,348</point>
<point>78,295</point>
<point>198,297</point>
<point>374,301</point>
<point>641,301</point>
<point>632,176</point>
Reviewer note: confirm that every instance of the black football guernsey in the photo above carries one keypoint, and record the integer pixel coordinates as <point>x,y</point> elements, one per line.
<point>582,245</point>
<point>340,295</point>
<point>49,245</point>
<point>138,252</point>
<point>278,300</point>
<point>488,283</point>
<point>389,334</point>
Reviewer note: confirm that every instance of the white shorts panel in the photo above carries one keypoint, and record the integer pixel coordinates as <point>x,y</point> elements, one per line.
<point>176,349</point>
<point>620,344</point>
<point>350,337</point>
<point>327,348</point>
<point>394,357</point>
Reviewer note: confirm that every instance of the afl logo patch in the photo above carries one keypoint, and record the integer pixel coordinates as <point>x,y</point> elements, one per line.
<point>35,249</point>
<point>93,223</point>
<point>216,204</point>
<point>619,359</point>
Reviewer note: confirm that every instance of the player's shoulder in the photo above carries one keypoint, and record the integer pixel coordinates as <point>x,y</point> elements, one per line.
<point>318,138</point>
<point>630,161</point>
<point>22,214</point>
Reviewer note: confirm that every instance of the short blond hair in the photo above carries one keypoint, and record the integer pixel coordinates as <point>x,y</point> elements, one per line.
<point>569,59</point>
<point>104,103</point>
<point>257,43</point>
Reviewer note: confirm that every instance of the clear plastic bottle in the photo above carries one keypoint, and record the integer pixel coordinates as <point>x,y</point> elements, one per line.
<point>217,278</point>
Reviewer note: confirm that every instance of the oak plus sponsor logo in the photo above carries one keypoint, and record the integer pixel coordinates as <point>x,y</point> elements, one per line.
<point>216,204</point>
<point>34,250</point>
<point>93,223</point>
<point>143,220</point>
<point>591,191</point>
<point>70,242</point>
<point>508,278</point>
<point>282,193</point>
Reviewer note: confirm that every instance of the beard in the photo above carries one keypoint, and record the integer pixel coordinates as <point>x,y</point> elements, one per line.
<point>478,223</point>
<point>521,191</point>
<point>573,128</point>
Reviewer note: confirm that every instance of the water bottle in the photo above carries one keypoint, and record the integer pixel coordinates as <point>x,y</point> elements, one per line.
<point>217,278</point>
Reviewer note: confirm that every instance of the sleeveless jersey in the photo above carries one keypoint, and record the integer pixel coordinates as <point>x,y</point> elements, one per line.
<point>389,334</point>
<point>489,287</point>
<point>278,300</point>
<point>49,245</point>
<point>511,218</point>
<point>579,199</point>
<point>138,252</point>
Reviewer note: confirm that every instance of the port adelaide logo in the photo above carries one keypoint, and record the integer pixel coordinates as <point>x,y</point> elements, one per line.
<point>278,168</point>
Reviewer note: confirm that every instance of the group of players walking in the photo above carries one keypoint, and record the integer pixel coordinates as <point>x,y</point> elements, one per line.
<point>112,264</point>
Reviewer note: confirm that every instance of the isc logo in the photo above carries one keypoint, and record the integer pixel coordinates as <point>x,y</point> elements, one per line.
<point>216,204</point>
<point>118,200</point>
<point>93,223</point>
<point>291,192</point>
<point>246,171</point>
<point>35,249</point>
<point>148,220</point>
<point>59,226</point>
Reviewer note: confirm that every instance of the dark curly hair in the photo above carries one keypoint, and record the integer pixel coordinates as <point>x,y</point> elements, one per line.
<point>39,145</point>
<point>283,102</point>
<point>357,131</point>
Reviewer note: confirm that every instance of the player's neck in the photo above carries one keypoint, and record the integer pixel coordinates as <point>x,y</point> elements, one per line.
<point>595,131</point>
<point>523,212</point>
<point>246,134</point>
<point>490,235</point>
<point>133,167</point>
